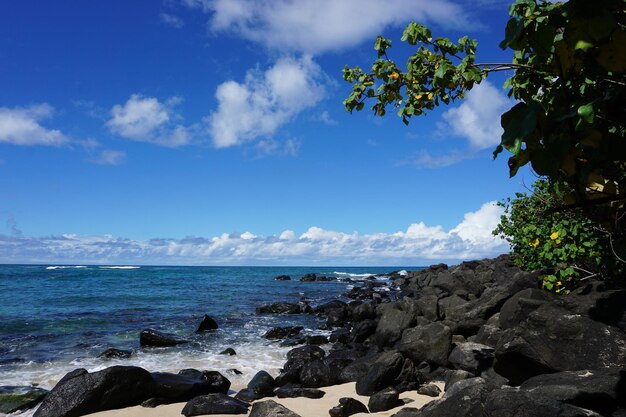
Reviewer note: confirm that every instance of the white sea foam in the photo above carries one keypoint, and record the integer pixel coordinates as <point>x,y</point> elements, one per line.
<point>66,267</point>
<point>403,273</point>
<point>351,275</point>
<point>120,267</point>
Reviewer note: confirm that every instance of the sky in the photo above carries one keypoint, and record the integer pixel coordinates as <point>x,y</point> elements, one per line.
<point>212,132</point>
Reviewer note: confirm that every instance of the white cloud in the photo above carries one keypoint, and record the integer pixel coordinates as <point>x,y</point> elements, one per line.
<point>477,119</point>
<point>424,159</point>
<point>419,244</point>
<point>109,157</point>
<point>146,119</point>
<point>21,126</point>
<point>317,26</point>
<point>172,20</point>
<point>264,101</point>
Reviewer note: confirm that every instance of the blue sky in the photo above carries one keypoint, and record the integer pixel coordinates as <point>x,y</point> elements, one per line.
<point>212,132</point>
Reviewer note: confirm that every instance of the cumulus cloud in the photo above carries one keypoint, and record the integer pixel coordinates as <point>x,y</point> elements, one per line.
<point>264,101</point>
<point>22,126</point>
<point>317,26</point>
<point>477,119</point>
<point>146,119</point>
<point>419,244</point>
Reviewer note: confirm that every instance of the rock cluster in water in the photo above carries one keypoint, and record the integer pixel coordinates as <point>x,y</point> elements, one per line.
<point>502,347</point>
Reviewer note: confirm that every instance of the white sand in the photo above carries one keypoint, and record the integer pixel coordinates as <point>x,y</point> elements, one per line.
<point>305,407</point>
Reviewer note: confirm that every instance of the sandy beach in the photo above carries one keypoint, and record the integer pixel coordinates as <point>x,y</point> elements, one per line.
<point>305,407</point>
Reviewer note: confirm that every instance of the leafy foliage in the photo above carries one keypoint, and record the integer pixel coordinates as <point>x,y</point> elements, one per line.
<point>569,81</point>
<point>566,247</point>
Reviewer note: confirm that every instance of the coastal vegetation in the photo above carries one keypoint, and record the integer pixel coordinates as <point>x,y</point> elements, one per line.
<point>568,124</point>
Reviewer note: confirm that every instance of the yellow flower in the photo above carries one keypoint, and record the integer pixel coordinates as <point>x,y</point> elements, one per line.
<point>394,76</point>
<point>430,96</point>
<point>534,243</point>
<point>559,283</point>
<point>554,236</point>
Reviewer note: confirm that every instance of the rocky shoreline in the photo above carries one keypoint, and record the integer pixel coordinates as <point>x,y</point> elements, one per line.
<point>502,346</point>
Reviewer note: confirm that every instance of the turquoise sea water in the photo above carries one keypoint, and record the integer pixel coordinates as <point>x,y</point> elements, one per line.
<point>54,319</point>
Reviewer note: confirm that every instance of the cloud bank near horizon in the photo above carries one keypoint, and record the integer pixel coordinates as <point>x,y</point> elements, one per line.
<point>419,244</point>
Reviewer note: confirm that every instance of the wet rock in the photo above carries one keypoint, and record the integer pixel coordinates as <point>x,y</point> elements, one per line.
<point>207,324</point>
<point>14,398</point>
<point>282,278</point>
<point>384,400</point>
<point>347,406</point>
<point>113,353</point>
<point>308,352</point>
<point>310,277</point>
<point>152,338</point>
<point>261,385</point>
<point>271,408</point>
<point>228,351</point>
<point>279,308</point>
<point>86,393</point>
<point>214,381</point>
<point>316,339</point>
<point>214,404</point>
<point>283,332</point>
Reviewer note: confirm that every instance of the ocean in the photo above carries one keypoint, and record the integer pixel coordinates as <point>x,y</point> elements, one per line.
<point>54,319</point>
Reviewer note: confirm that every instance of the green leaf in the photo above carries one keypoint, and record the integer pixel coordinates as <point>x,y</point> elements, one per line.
<point>586,113</point>
<point>519,122</point>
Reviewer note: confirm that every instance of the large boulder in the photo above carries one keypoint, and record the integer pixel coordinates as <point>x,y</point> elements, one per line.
<point>471,357</point>
<point>603,391</point>
<point>86,393</point>
<point>390,369</point>
<point>464,399</point>
<point>270,408</point>
<point>552,339</point>
<point>512,402</point>
<point>153,338</point>
<point>430,343</point>
<point>384,400</point>
<point>214,404</point>
<point>316,374</point>
<point>517,308</point>
<point>394,319</point>
<point>14,398</point>
<point>261,385</point>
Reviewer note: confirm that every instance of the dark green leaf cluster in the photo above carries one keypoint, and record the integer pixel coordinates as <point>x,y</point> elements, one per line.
<point>440,71</point>
<point>565,247</point>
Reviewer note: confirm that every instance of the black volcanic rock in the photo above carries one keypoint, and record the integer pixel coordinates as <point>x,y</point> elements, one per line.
<point>207,324</point>
<point>152,338</point>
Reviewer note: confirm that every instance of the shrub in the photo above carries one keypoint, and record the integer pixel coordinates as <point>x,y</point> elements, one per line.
<point>566,246</point>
